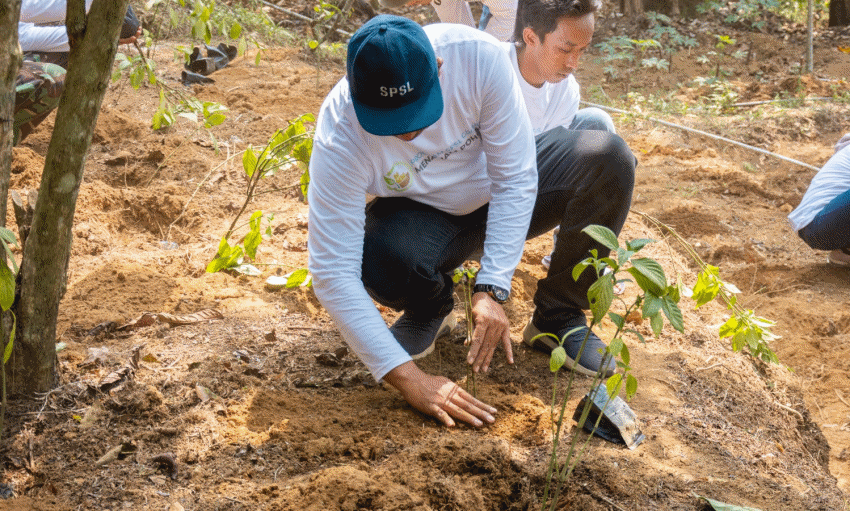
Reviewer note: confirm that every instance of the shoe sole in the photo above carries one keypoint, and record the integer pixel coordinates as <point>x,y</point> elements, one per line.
<point>446,327</point>
<point>546,344</point>
<point>839,259</point>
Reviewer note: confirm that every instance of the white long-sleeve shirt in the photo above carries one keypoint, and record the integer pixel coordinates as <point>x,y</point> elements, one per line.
<point>832,180</point>
<point>480,150</point>
<point>46,39</point>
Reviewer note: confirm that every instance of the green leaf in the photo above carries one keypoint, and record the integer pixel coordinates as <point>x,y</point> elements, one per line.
<point>651,305</point>
<point>631,386</point>
<point>199,29</point>
<point>617,319</point>
<point>673,313</point>
<point>557,359</point>
<point>305,183</point>
<point>7,351</point>
<point>623,256</point>
<point>603,235</point>
<point>652,271</point>
<point>657,323</point>
<point>721,506</point>
<point>729,328</point>
<point>580,267</point>
<point>226,257</point>
<point>600,295</point>
<point>254,236</point>
<point>707,286</point>
<point>625,355</point>
<point>241,47</point>
<point>235,30</point>
<point>249,161</point>
<point>297,278</point>
<point>637,334</point>
<point>214,120</point>
<point>613,383</point>
<point>257,58</point>
<point>616,346</point>
<point>7,287</point>
<point>303,151</point>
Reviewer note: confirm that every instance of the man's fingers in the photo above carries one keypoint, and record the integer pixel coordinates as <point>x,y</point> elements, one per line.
<point>444,416</point>
<point>468,409</point>
<point>509,349</point>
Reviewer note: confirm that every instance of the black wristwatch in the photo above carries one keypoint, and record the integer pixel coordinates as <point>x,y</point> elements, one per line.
<point>496,293</point>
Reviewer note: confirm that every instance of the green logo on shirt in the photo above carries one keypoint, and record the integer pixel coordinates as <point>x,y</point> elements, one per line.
<point>398,178</point>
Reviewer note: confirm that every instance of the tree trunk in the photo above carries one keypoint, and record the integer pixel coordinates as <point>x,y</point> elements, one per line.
<point>10,63</point>
<point>839,13</point>
<point>94,40</point>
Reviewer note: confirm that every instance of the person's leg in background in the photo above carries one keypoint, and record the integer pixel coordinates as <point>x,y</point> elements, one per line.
<point>585,177</point>
<point>830,230</point>
<point>38,88</point>
<point>585,119</point>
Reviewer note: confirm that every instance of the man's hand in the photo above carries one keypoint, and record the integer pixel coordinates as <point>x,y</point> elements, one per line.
<point>438,396</point>
<point>132,39</point>
<point>491,328</point>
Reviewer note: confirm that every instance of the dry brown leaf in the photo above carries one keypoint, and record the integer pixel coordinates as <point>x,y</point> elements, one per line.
<point>150,318</point>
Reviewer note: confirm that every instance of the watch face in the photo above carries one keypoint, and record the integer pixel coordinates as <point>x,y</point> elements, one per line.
<point>499,294</point>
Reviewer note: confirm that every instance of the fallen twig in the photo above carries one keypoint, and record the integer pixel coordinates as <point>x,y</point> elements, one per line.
<point>841,398</point>
<point>300,16</point>
<point>789,409</point>
<point>754,103</point>
<point>705,134</point>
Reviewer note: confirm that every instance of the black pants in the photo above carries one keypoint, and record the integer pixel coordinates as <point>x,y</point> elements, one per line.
<point>411,249</point>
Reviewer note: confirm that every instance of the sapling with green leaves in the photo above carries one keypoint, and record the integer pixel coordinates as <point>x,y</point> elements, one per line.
<point>292,146</point>
<point>466,277</point>
<point>656,300</point>
<point>7,299</point>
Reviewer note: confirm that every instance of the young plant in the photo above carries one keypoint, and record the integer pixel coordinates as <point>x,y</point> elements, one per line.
<point>656,300</point>
<point>748,332</point>
<point>7,299</point>
<point>466,277</point>
<point>292,146</point>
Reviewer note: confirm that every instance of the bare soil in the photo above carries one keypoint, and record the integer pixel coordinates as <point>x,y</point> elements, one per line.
<point>265,409</point>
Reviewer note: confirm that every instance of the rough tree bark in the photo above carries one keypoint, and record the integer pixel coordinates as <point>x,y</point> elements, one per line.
<point>94,40</point>
<point>839,13</point>
<point>10,62</point>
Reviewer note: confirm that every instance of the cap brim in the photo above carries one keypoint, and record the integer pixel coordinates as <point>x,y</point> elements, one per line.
<point>397,121</point>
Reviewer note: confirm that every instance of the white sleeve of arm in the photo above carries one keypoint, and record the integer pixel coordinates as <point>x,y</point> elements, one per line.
<point>502,24</point>
<point>454,11</point>
<point>335,240</point>
<point>512,166</point>
<point>44,39</point>
<point>46,11</point>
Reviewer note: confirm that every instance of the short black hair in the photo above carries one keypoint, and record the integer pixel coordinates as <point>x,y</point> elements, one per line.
<point>543,15</point>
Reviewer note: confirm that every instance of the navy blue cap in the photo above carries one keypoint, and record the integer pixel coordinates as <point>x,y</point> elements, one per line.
<point>393,76</point>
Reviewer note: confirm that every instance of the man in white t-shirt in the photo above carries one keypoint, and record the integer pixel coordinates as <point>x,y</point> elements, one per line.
<point>432,122</point>
<point>549,39</point>
<point>822,219</point>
